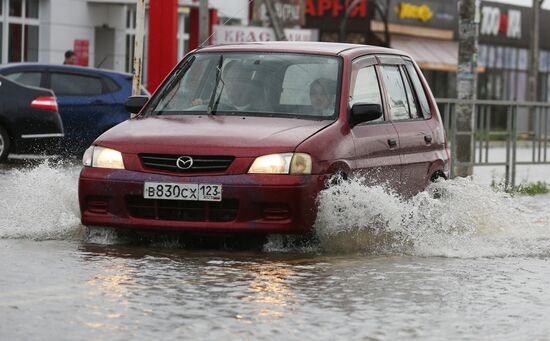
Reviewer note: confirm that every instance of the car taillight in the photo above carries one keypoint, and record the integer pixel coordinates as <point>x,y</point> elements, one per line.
<point>45,102</point>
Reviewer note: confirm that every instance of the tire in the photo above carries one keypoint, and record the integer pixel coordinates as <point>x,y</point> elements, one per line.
<point>4,144</point>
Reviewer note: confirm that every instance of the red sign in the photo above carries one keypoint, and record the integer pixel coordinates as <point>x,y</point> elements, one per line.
<point>81,51</point>
<point>335,8</point>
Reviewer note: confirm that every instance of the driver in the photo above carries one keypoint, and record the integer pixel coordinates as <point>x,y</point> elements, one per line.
<point>239,92</point>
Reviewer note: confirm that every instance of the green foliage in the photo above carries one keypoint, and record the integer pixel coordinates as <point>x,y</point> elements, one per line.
<point>536,188</point>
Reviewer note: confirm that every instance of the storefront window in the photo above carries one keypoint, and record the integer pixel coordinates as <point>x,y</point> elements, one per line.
<point>129,51</point>
<point>130,41</point>
<point>16,8</point>
<point>130,38</point>
<point>31,44</point>
<point>23,43</point>
<point>20,24</point>
<point>15,34</point>
<point>183,36</point>
<point>31,9</point>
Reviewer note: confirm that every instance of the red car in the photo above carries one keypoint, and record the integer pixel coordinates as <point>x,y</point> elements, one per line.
<point>241,138</point>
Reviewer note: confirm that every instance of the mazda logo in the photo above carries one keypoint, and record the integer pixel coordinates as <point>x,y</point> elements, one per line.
<point>184,162</point>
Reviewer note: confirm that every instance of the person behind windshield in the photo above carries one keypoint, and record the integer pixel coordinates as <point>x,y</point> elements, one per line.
<point>239,91</point>
<point>322,93</point>
<point>237,86</point>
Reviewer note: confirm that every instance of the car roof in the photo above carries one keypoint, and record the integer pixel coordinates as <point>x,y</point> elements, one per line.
<point>303,47</point>
<point>30,65</point>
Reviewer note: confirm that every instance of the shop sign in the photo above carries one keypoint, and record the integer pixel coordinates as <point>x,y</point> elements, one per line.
<point>424,13</point>
<point>418,12</point>
<point>335,8</point>
<point>493,22</point>
<point>82,51</point>
<point>243,34</point>
<point>289,12</point>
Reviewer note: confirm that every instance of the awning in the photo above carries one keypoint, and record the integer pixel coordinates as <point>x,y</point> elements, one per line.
<point>429,54</point>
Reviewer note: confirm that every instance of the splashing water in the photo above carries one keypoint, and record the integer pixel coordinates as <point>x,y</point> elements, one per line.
<point>456,218</point>
<point>40,203</point>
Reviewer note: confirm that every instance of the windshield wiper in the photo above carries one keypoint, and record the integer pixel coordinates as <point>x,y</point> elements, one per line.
<point>213,103</point>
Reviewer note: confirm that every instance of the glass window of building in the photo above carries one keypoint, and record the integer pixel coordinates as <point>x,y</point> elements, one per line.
<point>22,26</point>
<point>183,29</point>
<point>16,8</point>
<point>1,29</point>
<point>31,9</point>
<point>130,37</point>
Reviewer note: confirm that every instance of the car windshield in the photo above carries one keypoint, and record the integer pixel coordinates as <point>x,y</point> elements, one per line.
<point>255,84</point>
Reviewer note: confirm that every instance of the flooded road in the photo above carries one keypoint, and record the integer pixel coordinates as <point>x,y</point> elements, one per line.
<point>471,264</point>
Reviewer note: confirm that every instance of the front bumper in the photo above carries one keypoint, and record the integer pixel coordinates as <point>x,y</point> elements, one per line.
<point>251,203</point>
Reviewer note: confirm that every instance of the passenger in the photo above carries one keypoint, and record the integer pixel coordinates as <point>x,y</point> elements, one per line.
<point>322,94</point>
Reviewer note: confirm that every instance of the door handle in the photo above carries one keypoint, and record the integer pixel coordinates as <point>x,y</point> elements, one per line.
<point>392,142</point>
<point>428,138</point>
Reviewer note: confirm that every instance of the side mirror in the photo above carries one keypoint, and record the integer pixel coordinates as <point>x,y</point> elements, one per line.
<point>134,104</point>
<point>363,112</point>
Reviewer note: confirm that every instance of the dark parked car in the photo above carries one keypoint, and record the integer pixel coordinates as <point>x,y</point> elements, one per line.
<point>90,100</point>
<point>242,138</point>
<point>29,121</point>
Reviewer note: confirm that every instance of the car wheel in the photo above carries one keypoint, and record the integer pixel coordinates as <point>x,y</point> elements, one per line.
<point>4,144</point>
<point>336,179</point>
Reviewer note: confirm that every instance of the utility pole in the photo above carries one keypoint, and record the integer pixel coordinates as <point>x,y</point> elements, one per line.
<point>138,49</point>
<point>203,22</point>
<point>274,19</point>
<point>534,54</point>
<point>466,77</point>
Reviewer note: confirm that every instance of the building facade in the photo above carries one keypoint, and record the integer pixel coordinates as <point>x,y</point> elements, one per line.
<point>101,32</point>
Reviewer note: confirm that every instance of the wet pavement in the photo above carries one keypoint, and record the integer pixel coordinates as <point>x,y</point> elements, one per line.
<point>471,264</point>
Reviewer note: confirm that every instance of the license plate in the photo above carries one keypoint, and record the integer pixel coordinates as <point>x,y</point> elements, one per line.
<point>179,191</point>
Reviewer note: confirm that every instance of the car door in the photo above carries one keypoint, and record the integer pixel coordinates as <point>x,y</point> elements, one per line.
<point>376,142</point>
<point>83,105</point>
<point>415,136</point>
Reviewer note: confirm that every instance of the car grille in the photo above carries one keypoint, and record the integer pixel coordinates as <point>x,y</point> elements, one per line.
<point>201,164</point>
<point>223,211</point>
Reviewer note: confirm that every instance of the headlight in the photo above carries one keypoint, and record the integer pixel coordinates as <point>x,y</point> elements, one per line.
<point>102,157</point>
<point>287,163</point>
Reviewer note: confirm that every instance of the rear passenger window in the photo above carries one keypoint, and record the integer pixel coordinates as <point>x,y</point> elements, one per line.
<point>413,108</point>
<point>396,92</point>
<point>111,85</point>
<point>26,78</point>
<point>420,94</point>
<point>367,88</point>
<point>75,85</point>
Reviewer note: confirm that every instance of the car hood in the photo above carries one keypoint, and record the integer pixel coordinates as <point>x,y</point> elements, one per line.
<point>209,135</point>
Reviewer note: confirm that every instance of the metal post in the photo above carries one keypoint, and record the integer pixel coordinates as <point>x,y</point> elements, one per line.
<point>466,85</point>
<point>534,53</point>
<point>514,144</point>
<point>507,166</point>
<point>203,22</point>
<point>138,49</point>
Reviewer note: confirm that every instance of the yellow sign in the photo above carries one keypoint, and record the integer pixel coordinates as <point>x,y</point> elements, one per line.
<point>409,11</point>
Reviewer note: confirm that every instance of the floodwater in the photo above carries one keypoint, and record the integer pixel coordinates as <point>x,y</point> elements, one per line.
<point>470,264</point>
